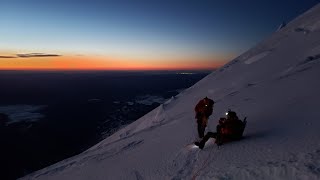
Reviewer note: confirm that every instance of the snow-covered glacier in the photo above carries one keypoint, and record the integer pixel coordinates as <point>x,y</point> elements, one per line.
<point>275,84</point>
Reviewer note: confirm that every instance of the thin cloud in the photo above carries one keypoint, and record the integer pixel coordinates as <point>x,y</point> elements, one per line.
<point>8,57</point>
<point>29,55</point>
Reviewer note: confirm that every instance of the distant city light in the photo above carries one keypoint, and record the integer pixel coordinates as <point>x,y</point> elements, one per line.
<point>186,73</point>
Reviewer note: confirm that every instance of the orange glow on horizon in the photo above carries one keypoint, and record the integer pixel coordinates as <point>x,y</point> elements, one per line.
<point>104,63</point>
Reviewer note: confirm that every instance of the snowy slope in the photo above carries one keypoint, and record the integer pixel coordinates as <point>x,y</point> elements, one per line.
<point>276,84</point>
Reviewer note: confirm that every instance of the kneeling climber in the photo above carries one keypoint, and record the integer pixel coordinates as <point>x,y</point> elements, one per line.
<point>228,129</point>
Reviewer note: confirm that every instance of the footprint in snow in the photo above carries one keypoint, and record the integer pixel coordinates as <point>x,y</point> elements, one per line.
<point>138,175</point>
<point>233,93</point>
<point>251,84</point>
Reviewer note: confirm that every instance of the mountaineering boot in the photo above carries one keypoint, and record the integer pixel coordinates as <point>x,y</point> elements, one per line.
<point>199,144</point>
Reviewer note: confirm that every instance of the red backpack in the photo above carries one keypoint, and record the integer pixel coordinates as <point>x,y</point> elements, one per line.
<point>232,129</point>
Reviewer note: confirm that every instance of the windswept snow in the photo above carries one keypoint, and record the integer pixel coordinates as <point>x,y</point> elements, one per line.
<point>279,94</point>
<point>256,57</point>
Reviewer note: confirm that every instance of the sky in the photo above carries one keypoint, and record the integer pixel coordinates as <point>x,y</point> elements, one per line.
<point>135,34</point>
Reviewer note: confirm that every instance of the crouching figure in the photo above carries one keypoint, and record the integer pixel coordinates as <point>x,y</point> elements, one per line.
<point>228,129</point>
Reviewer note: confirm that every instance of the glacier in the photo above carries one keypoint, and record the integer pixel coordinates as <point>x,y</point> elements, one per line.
<point>275,84</point>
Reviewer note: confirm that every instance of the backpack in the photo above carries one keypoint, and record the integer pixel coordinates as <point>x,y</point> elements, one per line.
<point>234,129</point>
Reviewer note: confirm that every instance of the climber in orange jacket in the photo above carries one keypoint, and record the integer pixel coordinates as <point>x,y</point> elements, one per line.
<point>228,129</point>
<point>203,110</point>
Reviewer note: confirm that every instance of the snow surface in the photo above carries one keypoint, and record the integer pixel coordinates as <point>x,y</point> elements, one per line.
<point>257,57</point>
<point>279,93</point>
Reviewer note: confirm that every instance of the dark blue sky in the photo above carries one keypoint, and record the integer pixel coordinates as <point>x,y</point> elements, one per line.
<point>143,29</point>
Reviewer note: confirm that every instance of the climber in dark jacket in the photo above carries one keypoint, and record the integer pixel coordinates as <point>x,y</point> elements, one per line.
<point>203,110</point>
<point>228,129</point>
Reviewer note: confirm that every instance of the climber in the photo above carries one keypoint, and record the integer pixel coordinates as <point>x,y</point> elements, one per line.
<point>228,129</point>
<point>203,110</point>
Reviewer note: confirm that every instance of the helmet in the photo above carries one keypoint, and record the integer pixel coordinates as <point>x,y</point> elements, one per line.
<point>208,102</point>
<point>231,114</point>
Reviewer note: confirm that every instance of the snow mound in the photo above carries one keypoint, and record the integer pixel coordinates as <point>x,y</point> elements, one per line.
<point>279,94</point>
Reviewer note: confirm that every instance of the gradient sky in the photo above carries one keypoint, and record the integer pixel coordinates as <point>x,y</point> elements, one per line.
<point>135,34</point>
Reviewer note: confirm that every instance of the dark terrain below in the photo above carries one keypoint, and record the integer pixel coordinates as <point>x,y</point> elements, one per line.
<point>80,109</point>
